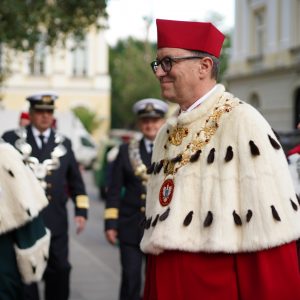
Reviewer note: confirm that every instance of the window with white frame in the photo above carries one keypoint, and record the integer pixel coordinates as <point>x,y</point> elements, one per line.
<point>259,22</point>
<point>37,60</point>
<point>79,59</point>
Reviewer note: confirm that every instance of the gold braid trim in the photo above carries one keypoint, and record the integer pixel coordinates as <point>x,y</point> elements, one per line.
<point>111,213</point>
<point>202,137</point>
<point>82,201</point>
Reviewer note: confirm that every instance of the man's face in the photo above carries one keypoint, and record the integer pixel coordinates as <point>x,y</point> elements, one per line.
<point>41,119</point>
<point>150,126</point>
<point>182,82</point>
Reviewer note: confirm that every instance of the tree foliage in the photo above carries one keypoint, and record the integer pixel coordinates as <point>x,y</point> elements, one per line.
<point>24,22</point>
<point>224,58</point>
<point>132,79</point>
<point>88,118</point>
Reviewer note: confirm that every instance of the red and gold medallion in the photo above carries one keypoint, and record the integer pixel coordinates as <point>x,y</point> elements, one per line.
<point>166,192</point>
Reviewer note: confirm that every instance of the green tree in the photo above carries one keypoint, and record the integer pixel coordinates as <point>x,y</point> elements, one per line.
<point>24,22</point>
<point>218,19</point>
<point>224,58</point>
<point>132,79</point>
<point>88,118</point>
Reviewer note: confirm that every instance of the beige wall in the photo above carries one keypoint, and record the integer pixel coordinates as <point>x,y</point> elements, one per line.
<point>273,74</point>
<point>91,90</point>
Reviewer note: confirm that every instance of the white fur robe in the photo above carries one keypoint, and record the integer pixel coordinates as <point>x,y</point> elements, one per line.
<point>247,203</point>
<point>22,198</point>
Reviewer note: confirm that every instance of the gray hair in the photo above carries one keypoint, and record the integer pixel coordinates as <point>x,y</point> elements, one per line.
<point>216,63</point>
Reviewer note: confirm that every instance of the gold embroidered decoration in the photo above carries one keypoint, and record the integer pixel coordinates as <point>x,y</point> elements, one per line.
<point>46,99</point>
<point>201,139</point>
<point>177,135</point>
<point>82,201</point>
<point>111,213</point>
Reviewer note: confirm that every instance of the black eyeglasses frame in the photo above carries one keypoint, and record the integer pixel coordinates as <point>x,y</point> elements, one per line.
<point>166,62</point>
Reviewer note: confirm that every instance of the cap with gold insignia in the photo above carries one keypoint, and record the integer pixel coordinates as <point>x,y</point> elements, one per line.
<point>150,108</point>
<point>42,100</point>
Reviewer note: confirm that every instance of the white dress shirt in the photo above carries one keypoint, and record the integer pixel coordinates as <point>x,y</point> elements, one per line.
<point>37,133</point>
<point>199,101</point>
<point>148,145</point>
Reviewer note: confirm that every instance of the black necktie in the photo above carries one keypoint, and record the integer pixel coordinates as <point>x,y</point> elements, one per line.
<point>42,138</point>
<point>151,147</point>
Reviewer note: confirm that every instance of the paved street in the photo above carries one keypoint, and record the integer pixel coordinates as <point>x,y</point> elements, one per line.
<point>95,274</point>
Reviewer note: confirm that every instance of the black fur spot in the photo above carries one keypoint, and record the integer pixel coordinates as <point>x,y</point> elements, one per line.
<point>10,172</point>
<point>164,215</point>
<point>237,219</point>
<point>148,223</point>
<point>158,167</point>
<point>298,198</point>
<point>194,157</point>
<point>254,149</point>
<point>151,168</point>
<point>274,144</point>
<point>188,218</point>
<point>249,215</point>
<point>275,213</point>
<point>176,159</point>
<point>45,258</point>
<point>155,220</point>
<point>28,212</point>
<point>229,154</point>
<point>209,219</point>
<point>211,156</point>
<point>33,269</point>
<point>276,134</point>
<point>294,205</point>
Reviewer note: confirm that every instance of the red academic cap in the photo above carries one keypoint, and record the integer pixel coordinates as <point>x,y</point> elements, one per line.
<point>199,36</point>
<point>24,115</point>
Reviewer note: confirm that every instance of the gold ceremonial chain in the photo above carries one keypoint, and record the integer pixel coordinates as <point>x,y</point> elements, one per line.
<point>200,140</point>
<point>177,135</point>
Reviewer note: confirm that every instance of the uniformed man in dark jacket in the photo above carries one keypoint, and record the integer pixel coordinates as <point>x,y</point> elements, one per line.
<point>126,195</point>
<point>52,160</point>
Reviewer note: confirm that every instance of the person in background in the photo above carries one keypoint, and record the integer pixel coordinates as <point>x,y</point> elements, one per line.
<point>24,119</point>
<point>222,216</point>
<point>50,156</point>
<point>125,203</point>
<point>24,240</point>
<point>293,156</point>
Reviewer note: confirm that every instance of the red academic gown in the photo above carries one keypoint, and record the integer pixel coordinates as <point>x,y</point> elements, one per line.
<point>271,274</point>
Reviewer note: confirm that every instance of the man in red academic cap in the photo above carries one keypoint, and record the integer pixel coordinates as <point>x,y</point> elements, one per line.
<point>222,216</point>
<point>24,119</point>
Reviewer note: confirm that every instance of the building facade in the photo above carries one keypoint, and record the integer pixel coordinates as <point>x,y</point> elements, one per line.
<point>264,68</point>
<point>78,72</point>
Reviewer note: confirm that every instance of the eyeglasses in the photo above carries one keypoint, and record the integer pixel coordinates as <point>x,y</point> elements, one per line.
<point>166,62</point>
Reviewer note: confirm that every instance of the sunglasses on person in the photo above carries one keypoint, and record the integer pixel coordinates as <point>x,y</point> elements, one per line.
<point>167,61</point>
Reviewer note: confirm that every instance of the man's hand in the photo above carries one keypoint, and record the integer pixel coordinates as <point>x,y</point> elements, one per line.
<point>111,236</point>
<point>80,224</point>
